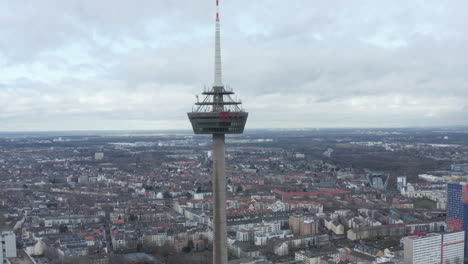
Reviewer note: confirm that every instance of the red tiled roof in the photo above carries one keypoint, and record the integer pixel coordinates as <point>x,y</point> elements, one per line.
<point>328,192</point>
<point>118,221</point>
<point>179,244</point>
<point>302,201</point>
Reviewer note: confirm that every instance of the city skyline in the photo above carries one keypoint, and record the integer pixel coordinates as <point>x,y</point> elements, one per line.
<point>115,66</point>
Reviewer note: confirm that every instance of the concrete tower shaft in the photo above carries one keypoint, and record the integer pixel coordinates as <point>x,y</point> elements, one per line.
<point>219,201</point>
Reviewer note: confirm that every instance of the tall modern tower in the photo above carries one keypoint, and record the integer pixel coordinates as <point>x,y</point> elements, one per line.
<point>218,114</point>
<point>457,209</point>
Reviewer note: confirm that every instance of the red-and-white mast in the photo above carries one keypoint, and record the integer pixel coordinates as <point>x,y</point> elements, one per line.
<point>218,78</point>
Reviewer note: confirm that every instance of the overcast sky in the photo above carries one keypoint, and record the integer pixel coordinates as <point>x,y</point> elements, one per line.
<point>110,64</point>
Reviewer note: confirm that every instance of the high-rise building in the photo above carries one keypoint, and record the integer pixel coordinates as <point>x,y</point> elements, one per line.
<point>401,182</point>
<point>378,180</point>
<point>442,248</point>
<point>457,208</point>
<point>218,114</point>
<point>7,246</point>
<point>295,223</point>
<point>303,225</point>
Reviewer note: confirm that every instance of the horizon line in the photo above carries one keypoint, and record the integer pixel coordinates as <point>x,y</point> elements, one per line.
<point>247,130</point>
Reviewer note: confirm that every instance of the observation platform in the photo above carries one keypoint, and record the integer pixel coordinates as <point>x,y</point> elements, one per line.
<point>218,113</point>
<point>223,122</point>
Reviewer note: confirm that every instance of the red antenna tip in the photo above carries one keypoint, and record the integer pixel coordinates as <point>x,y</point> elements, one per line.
<point>217,2</point>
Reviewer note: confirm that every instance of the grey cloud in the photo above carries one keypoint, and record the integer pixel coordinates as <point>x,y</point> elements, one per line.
<point>324,63</point>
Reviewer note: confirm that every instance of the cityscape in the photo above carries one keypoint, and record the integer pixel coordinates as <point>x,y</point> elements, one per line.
<point>323,171</point>
<point>304,196</point>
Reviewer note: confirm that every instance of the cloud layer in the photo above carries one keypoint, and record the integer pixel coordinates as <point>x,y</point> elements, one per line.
<point>91,65</point>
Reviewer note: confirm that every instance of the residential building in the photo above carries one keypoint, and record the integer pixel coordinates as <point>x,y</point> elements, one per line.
<point>434,248</point>
<point>334,225</point>
<point>303,225</point>
<point>308,257</point>
<point>7,246</point>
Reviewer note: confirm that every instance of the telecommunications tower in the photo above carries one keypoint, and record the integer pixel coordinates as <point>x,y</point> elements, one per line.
<point>218,114</point>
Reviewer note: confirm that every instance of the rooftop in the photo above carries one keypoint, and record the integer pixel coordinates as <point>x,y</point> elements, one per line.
<point>21,258</point>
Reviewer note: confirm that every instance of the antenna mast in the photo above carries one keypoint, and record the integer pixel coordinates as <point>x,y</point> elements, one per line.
<point>218,78</point>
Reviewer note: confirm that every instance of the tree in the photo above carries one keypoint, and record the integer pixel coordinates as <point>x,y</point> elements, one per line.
<point>164,252</point>
<point>132,218</point>
<point>186,249</point>
<point>51,254</point>
<point>139,247</point>
<point>63,228</point>
<point>190,244</point>
<point>189,247</point>
<point>167,195</point>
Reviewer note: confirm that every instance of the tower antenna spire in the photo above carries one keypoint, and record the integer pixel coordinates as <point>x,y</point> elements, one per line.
<point>218,78</point>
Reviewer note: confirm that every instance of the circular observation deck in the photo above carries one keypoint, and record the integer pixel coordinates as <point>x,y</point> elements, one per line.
<point>224,122</point>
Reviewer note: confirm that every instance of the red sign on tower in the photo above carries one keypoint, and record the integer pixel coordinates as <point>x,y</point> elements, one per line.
<point>224,116</point>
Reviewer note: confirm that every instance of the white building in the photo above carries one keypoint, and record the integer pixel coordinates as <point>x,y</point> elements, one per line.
<point>401,182</point>
<point>7,246</point>
<point>158,238</point>
<point>261,238</point>
<point>434,248</point>
<point>299,155</point>
<point>98,156</point>
<point>269,229</point>
<point>430,178</point>
<point>308,257</point>
<point>437,195</point>
<point>202,195</point>
<point>71,220</point>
